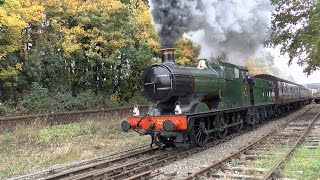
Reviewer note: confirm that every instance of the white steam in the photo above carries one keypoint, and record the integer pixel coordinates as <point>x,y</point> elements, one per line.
<point>232,29</point>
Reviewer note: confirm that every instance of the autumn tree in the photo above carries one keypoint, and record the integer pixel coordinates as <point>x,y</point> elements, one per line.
<point>264,64</point>
<point>16,19</point>
<point>75,46</point>
<point>186,52</point>
<point>251,65</point>
<point>103,42</point>
<point>140,54</point>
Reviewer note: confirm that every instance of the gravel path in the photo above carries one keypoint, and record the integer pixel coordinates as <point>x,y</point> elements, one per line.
<point>195,162</point>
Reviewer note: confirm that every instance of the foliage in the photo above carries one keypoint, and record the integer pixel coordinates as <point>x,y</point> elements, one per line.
<point>250,64</point>
<point>16,17</point>
<point>186,52</point>
<point>38,99</point>
<point>264,64</point>
<point>295,26</point>
<point>84,51</point>
<point>138,99</point>
<point>64,101</point>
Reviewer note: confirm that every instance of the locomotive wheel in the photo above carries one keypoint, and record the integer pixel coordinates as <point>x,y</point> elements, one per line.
<point>263,114</point>
<point>238,127</point>
<point>198,134</point>
<point>252,120</point>
<point>271,113</point>
<point>221,123</point>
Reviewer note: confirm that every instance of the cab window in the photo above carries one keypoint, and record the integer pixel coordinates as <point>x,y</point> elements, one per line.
<point>236,73</point>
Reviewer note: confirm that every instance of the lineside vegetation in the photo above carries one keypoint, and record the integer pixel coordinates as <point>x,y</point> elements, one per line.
<point>37,147</point>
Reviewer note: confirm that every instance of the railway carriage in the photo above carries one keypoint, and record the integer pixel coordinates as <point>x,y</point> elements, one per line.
<point>194,104</point>
<point>316,96</point>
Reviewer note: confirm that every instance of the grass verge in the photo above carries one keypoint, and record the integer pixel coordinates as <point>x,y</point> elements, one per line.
<point>31,148</point>
<point>303,164</point>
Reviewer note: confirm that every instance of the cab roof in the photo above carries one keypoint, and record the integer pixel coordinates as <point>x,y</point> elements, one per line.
<point>234,66</point>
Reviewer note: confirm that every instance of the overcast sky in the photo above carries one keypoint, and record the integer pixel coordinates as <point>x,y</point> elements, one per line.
<point>294,69</point>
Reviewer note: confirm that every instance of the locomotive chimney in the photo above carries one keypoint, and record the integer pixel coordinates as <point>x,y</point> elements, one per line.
<point>167,55</point>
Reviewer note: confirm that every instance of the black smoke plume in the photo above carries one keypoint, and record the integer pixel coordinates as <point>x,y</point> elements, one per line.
<point>235,28</point>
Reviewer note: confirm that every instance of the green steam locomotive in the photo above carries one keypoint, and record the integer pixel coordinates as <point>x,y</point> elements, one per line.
<point>195,104</point>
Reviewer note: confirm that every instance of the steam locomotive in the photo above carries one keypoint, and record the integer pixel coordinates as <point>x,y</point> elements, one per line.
<point>195,104</point>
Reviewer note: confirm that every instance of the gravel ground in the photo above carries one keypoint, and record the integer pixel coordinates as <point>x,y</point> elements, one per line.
<point>194,162</point>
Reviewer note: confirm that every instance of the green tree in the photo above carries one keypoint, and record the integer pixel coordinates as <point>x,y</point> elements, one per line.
<point>296,27</point>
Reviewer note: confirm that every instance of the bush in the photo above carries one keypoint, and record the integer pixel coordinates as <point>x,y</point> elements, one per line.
<point>112,101</point>
<point>3,110</point>
<point>138,99</point>
<point>37,101</point>
<point>40,100</point>
<point>85,100</point>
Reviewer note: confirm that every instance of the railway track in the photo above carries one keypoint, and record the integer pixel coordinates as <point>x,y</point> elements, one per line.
<point>312,140</point>
<point>78,165</point>
<point>9,123</point>
<point>133,164</point>
<point>136,163</point>
<point>261,158</point>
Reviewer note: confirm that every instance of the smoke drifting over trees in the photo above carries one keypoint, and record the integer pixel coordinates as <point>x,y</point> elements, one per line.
<point>231,28</point>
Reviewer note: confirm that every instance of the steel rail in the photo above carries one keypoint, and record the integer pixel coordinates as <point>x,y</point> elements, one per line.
<point>243,149</point>
<point>147,168</point>
<point>55,170</point>
<point>109,171</point>
<point>312,141</point>
<point>139,172</point>
<point>142,165</point>
<point>103,164</point>
<point>137,169</point>
<point>298,141</point>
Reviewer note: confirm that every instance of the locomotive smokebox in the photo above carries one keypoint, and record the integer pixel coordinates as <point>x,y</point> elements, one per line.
<point>167,55</point>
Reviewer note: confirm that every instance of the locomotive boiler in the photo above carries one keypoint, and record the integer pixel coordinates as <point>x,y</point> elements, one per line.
<point>167,84</point>
<point>194,104</point>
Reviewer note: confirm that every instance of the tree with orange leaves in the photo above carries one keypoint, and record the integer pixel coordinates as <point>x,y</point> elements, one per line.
<point>186,52</point>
